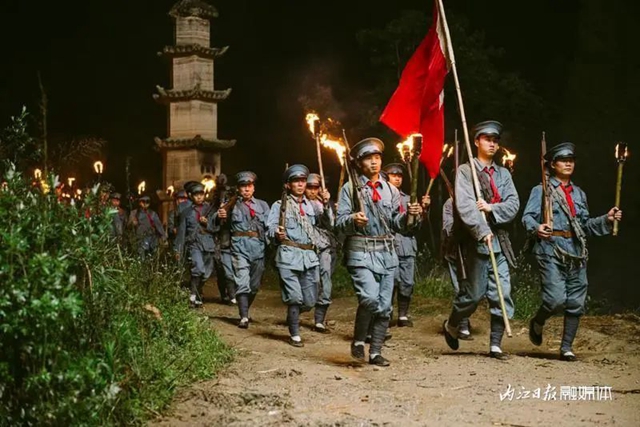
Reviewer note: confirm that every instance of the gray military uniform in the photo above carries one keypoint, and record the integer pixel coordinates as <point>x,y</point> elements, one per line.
<point>296,258</point>
<point>248,245</point>
<point>370,255</point>
<point>148,229</point>
<point>407,249</point>
<point>327,257</point>
<point>562,260</point>
<point>480,280</point>
<point>196,240</point>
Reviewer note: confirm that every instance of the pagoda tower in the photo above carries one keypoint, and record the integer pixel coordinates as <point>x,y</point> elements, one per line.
<point>192,150</point>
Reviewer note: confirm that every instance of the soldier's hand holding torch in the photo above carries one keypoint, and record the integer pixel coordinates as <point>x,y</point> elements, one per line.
<point>426,202</point>
<point>204,220</point>
<point>614,214</point>
<point>281,234</point>
<point>326,196</point>
<point>544,231</point>
<point>360,219</point>
<point>415,209</point>
<point>222,213</point>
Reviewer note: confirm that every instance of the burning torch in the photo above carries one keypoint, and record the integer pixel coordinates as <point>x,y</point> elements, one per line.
<point>508,159</point>
<point>405,148</point>
<point>142,187</point>
<point>170,190</point>
<point>313,121</point>
<point>341,151</point>
<point>622,152</point>
<point>98,167</point>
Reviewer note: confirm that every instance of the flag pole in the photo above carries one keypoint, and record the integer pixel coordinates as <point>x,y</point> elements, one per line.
<point>474,173</point>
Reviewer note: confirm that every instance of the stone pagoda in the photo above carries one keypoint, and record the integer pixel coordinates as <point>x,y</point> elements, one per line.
<point>192,149</point>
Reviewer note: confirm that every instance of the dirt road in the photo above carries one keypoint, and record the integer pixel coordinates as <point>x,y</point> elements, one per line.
<point>273,384</point>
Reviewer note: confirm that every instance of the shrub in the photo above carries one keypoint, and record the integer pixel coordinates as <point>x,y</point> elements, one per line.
<point>89,335</point>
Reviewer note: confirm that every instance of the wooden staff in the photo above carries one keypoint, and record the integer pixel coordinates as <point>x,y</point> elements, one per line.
<point>342,174</point>
<point>415,163</point>
<point>316,131</point>
<point>621,157</point>
<point>474,174</point>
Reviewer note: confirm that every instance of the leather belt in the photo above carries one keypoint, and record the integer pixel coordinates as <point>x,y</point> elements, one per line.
<point>245,234</point>
<point>306,247</point>
<point>370,244</point>
<point>563,233</point>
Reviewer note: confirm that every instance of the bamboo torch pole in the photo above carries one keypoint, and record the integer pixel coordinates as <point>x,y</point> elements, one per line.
<point>621,157</point>
<point>474,174</point>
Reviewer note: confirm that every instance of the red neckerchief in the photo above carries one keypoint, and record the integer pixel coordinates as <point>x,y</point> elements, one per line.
<point>300,205</point>
<point>567,192</point>
<point>494,189</point>
<point>375,195</point>
<point>198,210</point>
<point>252,212</point>
<point>149,218</point>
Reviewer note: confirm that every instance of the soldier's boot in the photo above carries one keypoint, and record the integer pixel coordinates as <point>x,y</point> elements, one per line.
<point>225,298</point>
<point>403,311</point>
<point>495,338</point>
<point>243,309</point>
<point>378,332</point>
<point>319,317</point>
<point>293,321</point>
<point>194,298</point>
<point>360,330</point>
<point>464,330</point>
<point>571,323</point>
<point>200,299</point>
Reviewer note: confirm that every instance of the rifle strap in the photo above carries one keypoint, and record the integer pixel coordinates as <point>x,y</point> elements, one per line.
<point>560,197</point>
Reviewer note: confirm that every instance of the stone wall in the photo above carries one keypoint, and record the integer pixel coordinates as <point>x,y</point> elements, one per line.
<point>192,30</point>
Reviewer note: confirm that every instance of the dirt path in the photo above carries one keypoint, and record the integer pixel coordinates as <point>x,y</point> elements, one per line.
<point>271,383</point>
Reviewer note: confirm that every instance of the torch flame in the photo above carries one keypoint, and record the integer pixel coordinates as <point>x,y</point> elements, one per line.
<point>209,184</point>
<point>508,158</point>
<point>98,167</point>
<point>141,187</point>
<point>37,174</point>
<point>622,151</point>
<point>79,192</point>
<point>450,152</point>
<point>170,190</point>
<point>311,119</point>
<point>405,148</point>
<point>334,145</point>
<point>70,181</point>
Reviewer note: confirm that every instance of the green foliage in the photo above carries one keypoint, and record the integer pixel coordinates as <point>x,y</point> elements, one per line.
<point>17,147</point>
<point>88,335</point>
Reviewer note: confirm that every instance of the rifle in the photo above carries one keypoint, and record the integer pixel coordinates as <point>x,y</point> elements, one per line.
<point>283,204</point>
<point>546,202</point>
<point>356,186</point>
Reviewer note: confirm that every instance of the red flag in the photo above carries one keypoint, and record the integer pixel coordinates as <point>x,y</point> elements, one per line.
<point>417,105</point>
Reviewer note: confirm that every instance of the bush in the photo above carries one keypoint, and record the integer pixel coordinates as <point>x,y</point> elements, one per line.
<point>89,335</point>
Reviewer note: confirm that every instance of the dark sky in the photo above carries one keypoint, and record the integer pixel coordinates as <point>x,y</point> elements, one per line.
<point>99,65</point>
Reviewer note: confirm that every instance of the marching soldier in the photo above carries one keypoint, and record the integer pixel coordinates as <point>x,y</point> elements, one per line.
<point>327,254</point>
<point>406,248</point>
<point>500,205</point>
<point>561,249</point>
<point>292,222</point>
<point>181,200</point>
<point>223,259</point>
<point>119,220</point>
<point>370,253</point>
<point>194,238</point>
<point>147,227</point>
<point>451,255</point>
<point>247,218</point>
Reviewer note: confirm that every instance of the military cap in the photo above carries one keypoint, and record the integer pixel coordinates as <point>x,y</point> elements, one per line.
<point>295,171</point>
<point>394,168</point>
<point>314,179</point>
<point>246,177</point>
<point>562,150</point>
<point>144,198</point>
<point>198,187</point>
<point>117,196</point>
<point>488,127</point>
<point>366,147</point>
<point>187,185</point>
<point>181,194</point>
